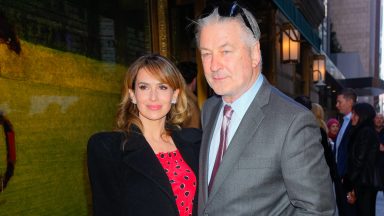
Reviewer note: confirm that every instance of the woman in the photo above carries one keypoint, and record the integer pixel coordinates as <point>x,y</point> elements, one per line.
<point>318,112</point>
<point>362,153</point>
<point>328,144</point>
<point>333,126</point>
<point>148,166</point>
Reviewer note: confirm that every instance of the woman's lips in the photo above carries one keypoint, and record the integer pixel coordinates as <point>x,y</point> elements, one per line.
<point>154,107</point>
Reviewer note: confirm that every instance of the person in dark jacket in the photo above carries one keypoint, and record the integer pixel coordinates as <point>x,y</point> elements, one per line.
<point>362,154</point>
<point>149,165</point>
<point>318,111</point>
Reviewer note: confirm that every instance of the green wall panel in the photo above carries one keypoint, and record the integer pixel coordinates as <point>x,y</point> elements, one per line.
<point>55,101</point>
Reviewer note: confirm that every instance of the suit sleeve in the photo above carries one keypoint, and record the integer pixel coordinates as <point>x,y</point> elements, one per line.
<point>103,170</point>
<point>305,172</point>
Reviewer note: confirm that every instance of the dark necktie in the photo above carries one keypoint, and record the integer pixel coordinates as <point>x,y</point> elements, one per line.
<point>223,143</point>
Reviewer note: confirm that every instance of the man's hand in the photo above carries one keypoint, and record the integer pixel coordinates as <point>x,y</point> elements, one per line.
<point>351,197</point>
<point>381,147</point>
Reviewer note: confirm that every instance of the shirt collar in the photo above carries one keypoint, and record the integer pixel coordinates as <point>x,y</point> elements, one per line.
<point>241,105</point>
<point>348,116</point>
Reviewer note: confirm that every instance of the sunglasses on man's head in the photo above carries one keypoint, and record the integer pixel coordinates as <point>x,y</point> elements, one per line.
<point>226,9</point>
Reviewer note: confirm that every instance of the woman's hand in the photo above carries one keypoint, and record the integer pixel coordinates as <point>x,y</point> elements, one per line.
<point>351,197</point>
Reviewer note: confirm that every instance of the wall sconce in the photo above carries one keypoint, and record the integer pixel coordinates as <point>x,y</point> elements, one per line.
<point>319,70</point>
<point>290,44</point>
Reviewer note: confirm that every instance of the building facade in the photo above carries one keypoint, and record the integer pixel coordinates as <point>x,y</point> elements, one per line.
<point>357,27</point>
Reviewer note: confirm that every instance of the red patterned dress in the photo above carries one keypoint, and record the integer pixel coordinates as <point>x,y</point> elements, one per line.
<point>182,179</point>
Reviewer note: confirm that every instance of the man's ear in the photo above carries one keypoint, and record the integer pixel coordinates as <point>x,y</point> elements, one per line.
<point>351,102</point>
<point>256,54</point>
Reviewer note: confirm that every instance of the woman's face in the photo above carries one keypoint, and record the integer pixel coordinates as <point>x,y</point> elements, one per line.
<point>334,129</point>
<point>354,118</point>
<point>152,97</point>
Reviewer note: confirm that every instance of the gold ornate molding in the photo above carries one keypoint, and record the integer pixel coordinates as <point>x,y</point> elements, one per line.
<point>162,8</point>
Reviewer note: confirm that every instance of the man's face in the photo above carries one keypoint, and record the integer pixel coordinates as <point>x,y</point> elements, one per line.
<point>344,105</point>
<point>230,66</point>
<point>379,120</point>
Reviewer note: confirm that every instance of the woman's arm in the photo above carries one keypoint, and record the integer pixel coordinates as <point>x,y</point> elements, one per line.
<point>103,170</point>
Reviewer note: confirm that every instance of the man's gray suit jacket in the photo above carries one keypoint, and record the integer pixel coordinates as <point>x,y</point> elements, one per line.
<point>274,164</point>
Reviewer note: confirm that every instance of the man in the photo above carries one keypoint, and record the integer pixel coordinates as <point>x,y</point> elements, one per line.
<point>344,103</point>
<point>379,127</point>
<point>189,72</point>
<point>262,156</point>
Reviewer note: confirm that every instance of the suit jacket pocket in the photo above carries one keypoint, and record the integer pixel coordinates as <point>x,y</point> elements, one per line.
<point>256,163</point>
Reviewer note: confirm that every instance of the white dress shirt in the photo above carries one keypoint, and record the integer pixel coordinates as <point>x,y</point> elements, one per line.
<point>240,107</point>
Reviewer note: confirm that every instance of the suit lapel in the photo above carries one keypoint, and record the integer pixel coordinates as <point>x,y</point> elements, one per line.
<point>142,158</point>
<point>346,132</point>
<point>205,145</point>
<point>249,125</point>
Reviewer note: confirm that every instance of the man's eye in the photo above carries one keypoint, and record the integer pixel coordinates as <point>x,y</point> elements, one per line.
<point>204,55</point>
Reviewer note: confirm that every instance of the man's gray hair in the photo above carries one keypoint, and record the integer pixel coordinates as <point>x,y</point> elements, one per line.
<point>251,36</point>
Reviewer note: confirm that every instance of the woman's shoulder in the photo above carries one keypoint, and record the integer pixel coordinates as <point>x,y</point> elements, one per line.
<point>190,134</point>
<point>191,131</point>
<point>105,141</point>
<point>366,133</point>
<point>106,136</point>
<point>366,129</point>
<point>188,138</point>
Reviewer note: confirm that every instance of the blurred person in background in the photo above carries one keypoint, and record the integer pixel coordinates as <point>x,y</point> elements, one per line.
<point>346,98</point>
<point>189,72</point>
<point>362,153</point>
<point>318,111</point>
<point>305,101</point>
<point>345,101</point>
<point>379,127</point>
<point>333,126</point>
